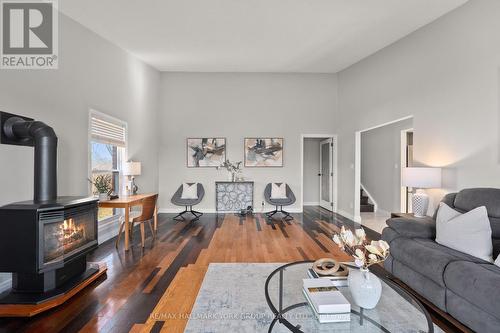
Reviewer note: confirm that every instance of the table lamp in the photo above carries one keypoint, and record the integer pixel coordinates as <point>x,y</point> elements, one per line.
<point>420,178</point>
<point>132,169</point>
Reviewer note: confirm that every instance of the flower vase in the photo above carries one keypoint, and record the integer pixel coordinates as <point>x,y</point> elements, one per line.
<point>365,288</point>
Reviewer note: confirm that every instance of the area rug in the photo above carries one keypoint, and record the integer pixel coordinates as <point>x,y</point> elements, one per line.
<point>232,299</point>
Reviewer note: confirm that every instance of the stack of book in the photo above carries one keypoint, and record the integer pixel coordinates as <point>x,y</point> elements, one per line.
<point>326,301</point>
<point>338,281</point>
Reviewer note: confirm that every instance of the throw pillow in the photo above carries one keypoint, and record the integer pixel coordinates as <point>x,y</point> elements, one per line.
<point>189,191</point>
<point>468,233</point>
<point>278,191</point>
<point>497,261</point>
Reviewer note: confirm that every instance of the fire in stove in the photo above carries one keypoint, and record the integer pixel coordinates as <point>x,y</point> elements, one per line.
<point>71,234</point>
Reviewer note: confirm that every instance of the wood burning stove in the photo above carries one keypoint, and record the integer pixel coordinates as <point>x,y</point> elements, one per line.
<point>44,242</point>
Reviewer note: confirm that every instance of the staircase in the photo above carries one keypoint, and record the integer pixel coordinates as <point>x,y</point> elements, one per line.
<point>365,205</point>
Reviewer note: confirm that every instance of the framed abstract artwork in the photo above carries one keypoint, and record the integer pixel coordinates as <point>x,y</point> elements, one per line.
<point>263,152</point>
<point>205,152</point>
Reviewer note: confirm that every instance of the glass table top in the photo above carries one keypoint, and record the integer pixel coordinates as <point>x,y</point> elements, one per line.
<point>397,310</point>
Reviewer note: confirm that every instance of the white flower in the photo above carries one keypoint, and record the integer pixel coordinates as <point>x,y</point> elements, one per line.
<point>348,238</point>
<point>383,246</point>
<point>360,233</point>
<point>380,248</point>
<point>373,248</point>
<point>337,240</point>
<point>359,254</point>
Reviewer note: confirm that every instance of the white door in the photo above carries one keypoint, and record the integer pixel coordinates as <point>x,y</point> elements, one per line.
<point>326,173</point>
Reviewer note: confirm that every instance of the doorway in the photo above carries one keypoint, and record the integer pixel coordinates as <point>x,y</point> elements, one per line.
<point>319,171</point>
<point>379,160</point>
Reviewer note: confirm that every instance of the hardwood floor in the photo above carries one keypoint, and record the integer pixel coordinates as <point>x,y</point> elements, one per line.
<point>153,290</point>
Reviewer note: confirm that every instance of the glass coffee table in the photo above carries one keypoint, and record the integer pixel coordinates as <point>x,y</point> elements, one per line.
<point>397,310</point>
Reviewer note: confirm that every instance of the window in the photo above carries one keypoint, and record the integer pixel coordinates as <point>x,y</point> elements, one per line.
<point>108,141</point>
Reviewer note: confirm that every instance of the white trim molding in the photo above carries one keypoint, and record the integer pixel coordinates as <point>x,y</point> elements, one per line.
<point>349,216</point>
<point>213,211</point>
<point>335,167</point>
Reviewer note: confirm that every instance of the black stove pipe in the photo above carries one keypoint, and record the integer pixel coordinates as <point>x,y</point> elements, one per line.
<point>45,141</point>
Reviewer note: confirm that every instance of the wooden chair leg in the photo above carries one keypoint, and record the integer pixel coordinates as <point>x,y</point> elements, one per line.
<point>142,234</point>
<point>151,228</point>
<point>119,234</point>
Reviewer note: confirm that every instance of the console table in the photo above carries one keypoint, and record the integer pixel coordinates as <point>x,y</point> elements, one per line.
<point>233,196</point>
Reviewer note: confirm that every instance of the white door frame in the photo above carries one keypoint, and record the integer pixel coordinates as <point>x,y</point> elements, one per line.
<point>357,163</point>
<point>335,168</point>
<point>404,153</point>
<point>323,203</point>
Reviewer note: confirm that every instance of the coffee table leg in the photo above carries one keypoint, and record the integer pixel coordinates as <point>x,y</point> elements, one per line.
<point>281,292</point>
<point>361,315</point>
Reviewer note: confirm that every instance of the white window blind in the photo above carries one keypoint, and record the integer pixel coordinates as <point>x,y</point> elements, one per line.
<point>108,131</point>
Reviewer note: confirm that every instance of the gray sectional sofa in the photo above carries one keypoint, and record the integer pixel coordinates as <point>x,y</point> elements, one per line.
<point>466,287</point>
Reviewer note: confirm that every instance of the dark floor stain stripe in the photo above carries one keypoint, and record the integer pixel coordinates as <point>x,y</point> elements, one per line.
<point>150,277</point>
<point>257,223</point>
<point>282,228</point>
<point>157,326</point>
<point>302,253</point>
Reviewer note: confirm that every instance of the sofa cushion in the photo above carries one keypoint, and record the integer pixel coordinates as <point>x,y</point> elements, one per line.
<point>471,198</point>
<point>476,283</point>
<point>421,284</point>
<point>427,257</point>
<point>470,315</point>
<point>468,232</point>
<point>422,228</point>
<point>388,234</point>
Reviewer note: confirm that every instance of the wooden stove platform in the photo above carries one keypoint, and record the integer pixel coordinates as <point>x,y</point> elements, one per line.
<point>26,305</point>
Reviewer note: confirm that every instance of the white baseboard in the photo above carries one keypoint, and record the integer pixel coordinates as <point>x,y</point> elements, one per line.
<point>355,218</point>
<point>213,211</point>
<point>311,203</point>
<point>345,214</point>
<point>178,210</point>
<point>108,229</point>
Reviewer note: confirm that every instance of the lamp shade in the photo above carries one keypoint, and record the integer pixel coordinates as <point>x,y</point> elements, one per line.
<point>422,177</point>
<point>132,168</point>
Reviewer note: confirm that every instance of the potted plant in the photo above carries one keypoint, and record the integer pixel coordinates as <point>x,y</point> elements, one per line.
<point>103,186</point>
<point>365,287</point>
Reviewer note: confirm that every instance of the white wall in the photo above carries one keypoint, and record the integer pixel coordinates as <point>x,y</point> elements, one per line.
<point>447,76</point>
<point>93,73</point>
<point>311,170</point>
<point>236,106</point>
<point>381,164</point>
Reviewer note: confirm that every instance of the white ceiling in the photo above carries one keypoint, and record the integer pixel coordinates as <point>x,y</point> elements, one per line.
<point>318,36</point>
